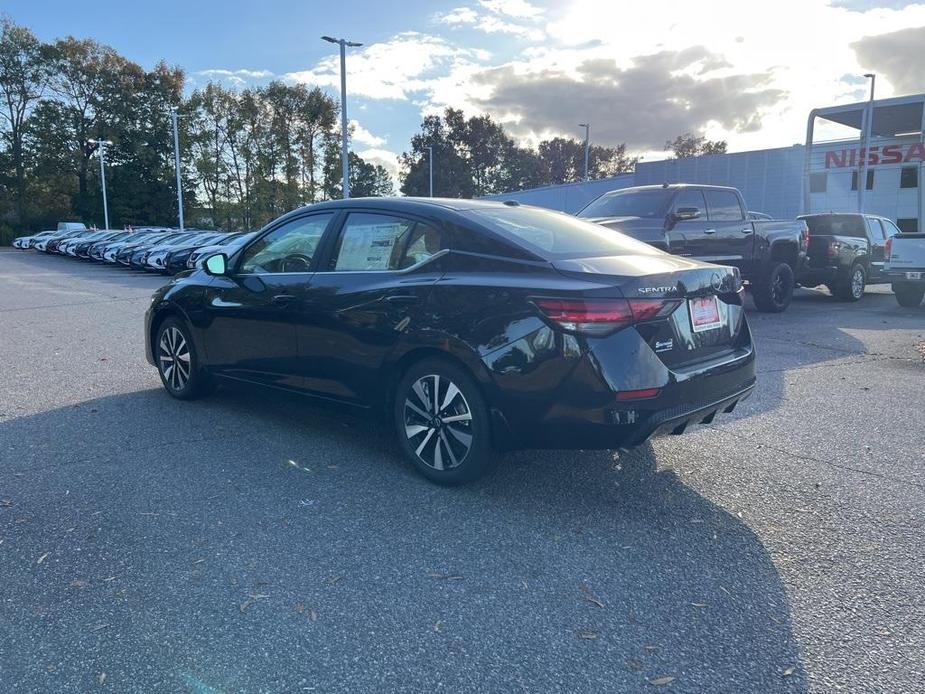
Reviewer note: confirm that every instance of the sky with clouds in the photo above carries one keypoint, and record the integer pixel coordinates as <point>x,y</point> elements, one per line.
<point>639,72</point>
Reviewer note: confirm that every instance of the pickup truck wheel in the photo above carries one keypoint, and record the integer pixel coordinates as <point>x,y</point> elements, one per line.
<point>909,294</point>
<point>773,292</point>
<point>851,288</point>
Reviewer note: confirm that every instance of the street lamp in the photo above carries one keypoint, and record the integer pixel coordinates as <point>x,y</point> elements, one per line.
<point>176,151</point>
<point>868,124</point>
<point>343,43</point>
<point>101,144</point>
<point>587,127</point>
<point>430,161</point>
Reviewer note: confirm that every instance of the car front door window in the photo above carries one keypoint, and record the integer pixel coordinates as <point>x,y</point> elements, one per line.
<point>288,248</point>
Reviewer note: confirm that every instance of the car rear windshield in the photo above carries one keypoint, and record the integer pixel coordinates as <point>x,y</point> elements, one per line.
<point>835,225</point>
<point>649,204</point>
<point>553,235</point>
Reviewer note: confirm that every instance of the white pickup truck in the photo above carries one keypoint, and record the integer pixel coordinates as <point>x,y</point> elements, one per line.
<point>905,267</point>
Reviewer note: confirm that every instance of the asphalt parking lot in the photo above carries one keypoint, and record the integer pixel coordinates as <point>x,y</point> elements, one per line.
<point>252,542</point>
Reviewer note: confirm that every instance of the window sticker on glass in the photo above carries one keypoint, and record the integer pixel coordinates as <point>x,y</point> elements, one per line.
<point>368,246</point>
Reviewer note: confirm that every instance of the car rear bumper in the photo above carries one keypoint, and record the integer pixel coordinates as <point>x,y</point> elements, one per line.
<point>578,401</point>
<point>814,276</point>
<point>903,276</point>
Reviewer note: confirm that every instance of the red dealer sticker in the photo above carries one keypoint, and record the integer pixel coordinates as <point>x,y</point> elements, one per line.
<point>704,314</point>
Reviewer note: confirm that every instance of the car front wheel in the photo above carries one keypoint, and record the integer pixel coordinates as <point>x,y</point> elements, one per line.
<point>177,362</point>
<point>442,423</point>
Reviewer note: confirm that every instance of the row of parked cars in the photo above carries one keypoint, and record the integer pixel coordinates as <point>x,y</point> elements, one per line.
<point>156,249</point>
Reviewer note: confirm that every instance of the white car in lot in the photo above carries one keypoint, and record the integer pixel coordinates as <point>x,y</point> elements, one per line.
<point>905,267</point>
<point>157,258</point>
<point>28,241</point>
<point>198,256</point>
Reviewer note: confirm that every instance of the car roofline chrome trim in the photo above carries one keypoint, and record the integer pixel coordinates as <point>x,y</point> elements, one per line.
<point>438,254</point>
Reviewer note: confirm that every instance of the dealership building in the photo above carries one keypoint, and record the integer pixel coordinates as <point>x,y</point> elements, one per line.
<point>821,175</point>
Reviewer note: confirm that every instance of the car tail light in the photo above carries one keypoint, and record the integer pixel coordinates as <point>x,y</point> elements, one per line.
<point>805,237</point>
<point>601,316</point>
<point>832,250</point>
<point>888,248</point>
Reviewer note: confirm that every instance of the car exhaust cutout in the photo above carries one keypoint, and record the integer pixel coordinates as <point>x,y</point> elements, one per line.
<point>602,316</point>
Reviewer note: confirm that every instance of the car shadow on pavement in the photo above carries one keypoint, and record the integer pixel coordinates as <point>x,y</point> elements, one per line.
<point>200,533</point>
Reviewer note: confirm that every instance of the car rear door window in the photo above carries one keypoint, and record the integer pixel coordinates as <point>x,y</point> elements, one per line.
<point>889,229</point>
<point>691,198</point>
<point>723,206</point>
<point>835,225</point>
<point>876,231</point>
<point>372,242</point>
<point>288,248</point>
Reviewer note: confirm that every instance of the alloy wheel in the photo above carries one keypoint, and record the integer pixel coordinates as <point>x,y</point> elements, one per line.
<point>174,358</point>
<point>438,422</point>
<point>778,291</point>
<point>857,283</point>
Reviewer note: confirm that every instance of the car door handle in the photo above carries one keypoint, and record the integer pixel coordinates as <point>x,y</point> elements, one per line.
<point>402,299</point>
<point>282,299</point>
<point>747,230</point>
<point>709,231</point>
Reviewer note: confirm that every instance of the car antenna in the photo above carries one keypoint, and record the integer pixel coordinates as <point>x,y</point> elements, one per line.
<point>665,184</point>
<point>511,203</point>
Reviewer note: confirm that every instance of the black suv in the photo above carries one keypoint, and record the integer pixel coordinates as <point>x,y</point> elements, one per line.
<point>846,252</point>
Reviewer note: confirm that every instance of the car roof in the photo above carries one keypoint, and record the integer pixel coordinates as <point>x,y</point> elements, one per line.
<point>674,186</point>
<point>407,204</point>
<point>842,214</point>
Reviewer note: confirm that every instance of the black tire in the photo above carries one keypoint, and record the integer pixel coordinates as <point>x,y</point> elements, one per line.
<point>172,349</point>
<point>909,295</point>
<point>773,292</point>
<point>851,286</point>
<point>448,453</point>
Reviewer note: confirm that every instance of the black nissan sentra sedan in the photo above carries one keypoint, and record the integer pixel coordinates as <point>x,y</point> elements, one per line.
<point>475,326</point>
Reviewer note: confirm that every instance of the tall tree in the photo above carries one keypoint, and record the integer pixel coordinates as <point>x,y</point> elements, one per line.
<point>475,156</point>
<point>688,145</point>
<point>24,73</point>
<point>80,69</point>
<point>368,180</point>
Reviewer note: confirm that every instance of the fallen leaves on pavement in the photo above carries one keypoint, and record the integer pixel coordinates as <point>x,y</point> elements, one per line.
<point>660,681</point>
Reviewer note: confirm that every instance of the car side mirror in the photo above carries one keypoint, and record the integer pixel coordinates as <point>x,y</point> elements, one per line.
<point>683,214</point>
<point>216,264</point>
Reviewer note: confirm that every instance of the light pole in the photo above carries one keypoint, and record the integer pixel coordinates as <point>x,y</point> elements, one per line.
<point>176,151</point>
<point>343,43</point>
<point>430,162</point>
<point>587,127</point>
<point>101,144</point>
<point>868,124</point>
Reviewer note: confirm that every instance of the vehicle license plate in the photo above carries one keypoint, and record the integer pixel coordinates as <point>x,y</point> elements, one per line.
<point>704,314</point>
<point>913,275</point>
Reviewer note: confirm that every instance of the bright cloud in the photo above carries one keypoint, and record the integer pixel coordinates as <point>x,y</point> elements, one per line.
<point>235,77</point>
<point>392,69</point>
<point>364,137</point>
<point>513,8</point>
<point>384,158</point>
<point>496,21</point>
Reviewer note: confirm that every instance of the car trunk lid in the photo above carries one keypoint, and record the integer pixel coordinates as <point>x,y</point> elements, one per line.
<point>703,313</point>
